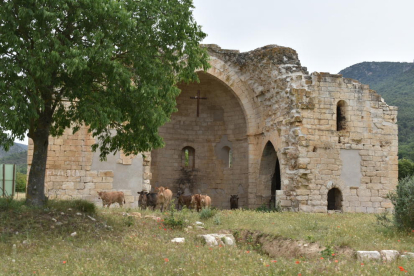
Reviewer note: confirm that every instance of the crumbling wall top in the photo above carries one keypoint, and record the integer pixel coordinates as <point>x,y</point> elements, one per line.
<point>274,54</point>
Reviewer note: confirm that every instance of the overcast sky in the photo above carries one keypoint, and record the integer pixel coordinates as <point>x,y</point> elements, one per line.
<point>329,35</point>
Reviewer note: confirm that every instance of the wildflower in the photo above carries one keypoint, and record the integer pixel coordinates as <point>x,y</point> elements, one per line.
<point>165,229</point>
<point>166,260</point>
<point>211,248</point>
<point>297,262</point>
<point>274,261</point>
<point>336,261</point>
<point>401,268</point>
<point>398,240</point>
<point>362,263</point>
<point>333,254</point>
<point>267,265</point>
<point>247,251</point>
<point>64,262</point>
<point>321,258</point>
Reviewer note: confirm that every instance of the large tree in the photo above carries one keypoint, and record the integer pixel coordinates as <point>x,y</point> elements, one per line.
<point>111,65</point>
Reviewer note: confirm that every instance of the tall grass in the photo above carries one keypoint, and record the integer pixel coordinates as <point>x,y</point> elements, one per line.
<point>117,244</point>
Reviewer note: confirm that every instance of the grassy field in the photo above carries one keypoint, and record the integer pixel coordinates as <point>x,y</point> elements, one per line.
<point>109,242</point>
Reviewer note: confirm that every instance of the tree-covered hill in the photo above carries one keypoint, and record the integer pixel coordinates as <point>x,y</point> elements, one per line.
<point>16,148</point>
<point>394,81</point>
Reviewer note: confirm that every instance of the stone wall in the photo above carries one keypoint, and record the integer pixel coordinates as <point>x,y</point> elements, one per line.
<point>268,110</point>
<point>75,172</point>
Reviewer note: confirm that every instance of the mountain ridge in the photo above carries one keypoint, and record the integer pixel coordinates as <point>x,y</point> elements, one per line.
<point>394,81</point>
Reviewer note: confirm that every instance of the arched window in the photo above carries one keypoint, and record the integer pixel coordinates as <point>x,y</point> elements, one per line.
<point>228,156</point>
<point>334,199</point>
<point>188,157</point>
<point>341,115</point>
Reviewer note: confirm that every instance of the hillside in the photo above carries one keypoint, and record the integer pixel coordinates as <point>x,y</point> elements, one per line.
<point>16,155</point>
<point>394,81</point>
<point>16,148</point>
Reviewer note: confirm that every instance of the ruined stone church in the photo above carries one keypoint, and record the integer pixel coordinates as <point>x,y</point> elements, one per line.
<point>257,125</point>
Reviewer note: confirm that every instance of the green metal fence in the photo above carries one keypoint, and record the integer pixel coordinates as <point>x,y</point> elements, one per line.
<point>7,179</point>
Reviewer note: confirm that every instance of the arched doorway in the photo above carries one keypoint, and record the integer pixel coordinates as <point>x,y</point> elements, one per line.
<point>215,130</point>
<point>334,200</point>
<point>269,177</point>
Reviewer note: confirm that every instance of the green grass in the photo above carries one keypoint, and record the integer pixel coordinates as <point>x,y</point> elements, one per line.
<point>116,244</point>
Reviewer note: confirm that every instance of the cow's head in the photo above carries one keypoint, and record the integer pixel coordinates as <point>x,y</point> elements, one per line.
<point>100,194</point>
<point>234,198</point>
<point>142,201</point>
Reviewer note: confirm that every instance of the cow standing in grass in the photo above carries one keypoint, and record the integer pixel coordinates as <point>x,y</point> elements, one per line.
<point>205,201</point>
<point>109,198</point>
<point>199,201</point>
<point>234,202</point>
<point>147,200</point>
<point>164,198</point>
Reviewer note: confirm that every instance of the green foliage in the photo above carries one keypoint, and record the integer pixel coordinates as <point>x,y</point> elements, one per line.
<point>405,168</point>
<point>21,182</point>
<point>328,252</point>
<point>175,219</point>
<point>79,205</point>
<point>111,65</point>
<point>264,208</point>
<point>207,213</point>
<point>217,219</point>
<point>403,200</point>
<point>394,81</point>
<point>8,204</point>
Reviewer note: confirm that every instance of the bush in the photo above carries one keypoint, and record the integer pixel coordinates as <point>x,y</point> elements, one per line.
<point>405,168</point>
<point>78,205</point>
<point>21,182</point>
<point>175,219</point>
<point>403,200</point>
<point>207,213</point>
<point>265,208</point>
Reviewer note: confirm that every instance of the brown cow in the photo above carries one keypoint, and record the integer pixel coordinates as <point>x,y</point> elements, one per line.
<point>184,200</point>
<point>196,202</point>
<point>205,201</point>
<point>164,198</point>
<point>234,201</point>
<point>109,198</point>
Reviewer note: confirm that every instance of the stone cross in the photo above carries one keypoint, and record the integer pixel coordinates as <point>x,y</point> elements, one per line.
<point>198,97</point>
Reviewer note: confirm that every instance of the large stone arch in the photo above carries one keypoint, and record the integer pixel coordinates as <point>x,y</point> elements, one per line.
<point>222,127</point>
<point>244,94</point>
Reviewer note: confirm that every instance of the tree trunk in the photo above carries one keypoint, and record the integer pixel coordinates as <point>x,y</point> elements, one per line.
<point>35,194</point>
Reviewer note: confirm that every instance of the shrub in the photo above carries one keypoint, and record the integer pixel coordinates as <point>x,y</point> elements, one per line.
<point>405,168</point>
<point>21,182</point>
<point>174,219</point>
<point>403,200</point>
<point>78,205</point>
<point>265,208</point>
<point>207,213</point>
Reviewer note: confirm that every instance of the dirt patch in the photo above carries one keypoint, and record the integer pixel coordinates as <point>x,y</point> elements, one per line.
<point>277,246</point>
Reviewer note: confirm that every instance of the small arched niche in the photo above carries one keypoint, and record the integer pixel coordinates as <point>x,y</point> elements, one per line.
<point>188,157</point>
<point>341,115</point>
<point>334,199</point>
<point>227,156</point>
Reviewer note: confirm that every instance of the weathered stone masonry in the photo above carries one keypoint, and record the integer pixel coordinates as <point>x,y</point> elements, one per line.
<point>267,130</point>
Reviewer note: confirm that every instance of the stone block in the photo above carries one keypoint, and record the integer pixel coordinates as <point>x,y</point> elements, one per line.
<point>218,239</point>
<point>364,256</point>
<point>389,255</point>
<point>103,186</point>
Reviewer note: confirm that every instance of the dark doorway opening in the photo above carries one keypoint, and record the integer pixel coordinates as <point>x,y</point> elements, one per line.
<point>276,184</point>
<point>334,199</point>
